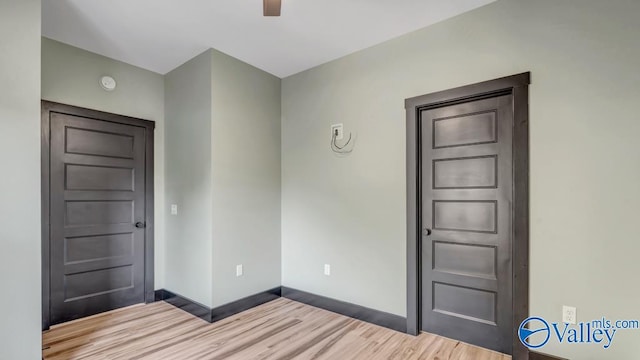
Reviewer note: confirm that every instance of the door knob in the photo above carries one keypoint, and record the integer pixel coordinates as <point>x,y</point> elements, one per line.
<point>427,231</point>
<point>140,225</point>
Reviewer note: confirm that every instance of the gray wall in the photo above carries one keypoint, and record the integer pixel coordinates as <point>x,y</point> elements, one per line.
<point>209,128</point>
<point>20,322</point>
<point>350,211</point>
<point>70,75</point>
<point>223,172</point>
<point>188,179</point>
<point>246,178</point>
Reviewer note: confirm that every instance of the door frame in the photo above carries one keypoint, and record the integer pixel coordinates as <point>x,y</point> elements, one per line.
<point>517,86</point>
<point>47,108</point>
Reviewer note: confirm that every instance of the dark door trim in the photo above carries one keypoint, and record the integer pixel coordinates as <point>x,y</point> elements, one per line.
<point>517,85</point>
<point>49,107</point>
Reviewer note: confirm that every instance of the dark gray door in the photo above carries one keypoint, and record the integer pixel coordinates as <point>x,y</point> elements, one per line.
<point>97,214</point>
<point>466,211</point>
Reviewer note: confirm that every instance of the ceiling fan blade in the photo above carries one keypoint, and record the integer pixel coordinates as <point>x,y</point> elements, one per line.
<point>272,7</point>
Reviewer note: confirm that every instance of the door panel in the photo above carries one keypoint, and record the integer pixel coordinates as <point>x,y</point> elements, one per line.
<point>97,194</point>
<point>91,248</point>
<point>91,177</point>
<point>465,215</point>
<point>465,259</point>
<point>92,283</point>
<point>466,206</point>
<point>466,173</point>
<point>467,128</point>
<point>90,142</point>
<point>467,303</point>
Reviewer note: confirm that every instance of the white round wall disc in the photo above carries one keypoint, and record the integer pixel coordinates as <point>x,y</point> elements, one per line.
<point>108,83</point>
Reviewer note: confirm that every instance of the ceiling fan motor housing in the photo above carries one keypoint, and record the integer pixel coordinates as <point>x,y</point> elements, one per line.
<point>272,7</point>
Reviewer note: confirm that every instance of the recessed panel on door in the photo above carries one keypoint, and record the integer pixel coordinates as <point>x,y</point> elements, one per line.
<point>466,173</point>
<point>465,259</point>
<point>467,303</point>
<point>88,177</point>
<point>465,215</point>
<point>88,248</point>
<point>99,212</point>
<point>465,129</point>
<point>98,282</point>
<point>101,143</point>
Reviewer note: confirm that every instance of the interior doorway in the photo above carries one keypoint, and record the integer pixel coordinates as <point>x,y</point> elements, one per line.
<point>467,211</point>
<point>97,212</point>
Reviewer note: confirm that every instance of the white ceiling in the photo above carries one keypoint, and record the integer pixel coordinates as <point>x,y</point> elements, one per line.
<point>160,35</point>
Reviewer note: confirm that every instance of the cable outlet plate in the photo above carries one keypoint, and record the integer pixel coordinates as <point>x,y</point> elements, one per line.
<point>339,129</point>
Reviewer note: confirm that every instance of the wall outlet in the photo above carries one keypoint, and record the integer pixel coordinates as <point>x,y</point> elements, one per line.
<point>174,209</point>
<point>337,131</point>
<point>239,270</point>
<point>327,269</point>
<point>569,314</point>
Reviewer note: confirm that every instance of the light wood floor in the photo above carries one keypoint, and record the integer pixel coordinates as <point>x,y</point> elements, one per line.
<point>281,329</point>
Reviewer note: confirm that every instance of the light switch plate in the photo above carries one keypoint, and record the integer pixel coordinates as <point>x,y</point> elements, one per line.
<point>327,269</point>
<point>174,209</point>
<point>239,270</point>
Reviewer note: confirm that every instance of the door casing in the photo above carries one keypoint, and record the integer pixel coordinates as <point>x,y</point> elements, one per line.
<point>517,86</point>
<point>49,107</point>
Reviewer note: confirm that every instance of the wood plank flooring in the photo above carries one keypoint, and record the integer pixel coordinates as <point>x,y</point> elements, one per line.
<point>279,330</point>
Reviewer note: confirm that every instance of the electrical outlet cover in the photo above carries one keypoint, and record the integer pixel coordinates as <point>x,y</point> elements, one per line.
<point>327,269</point>
<point>569,314</point>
